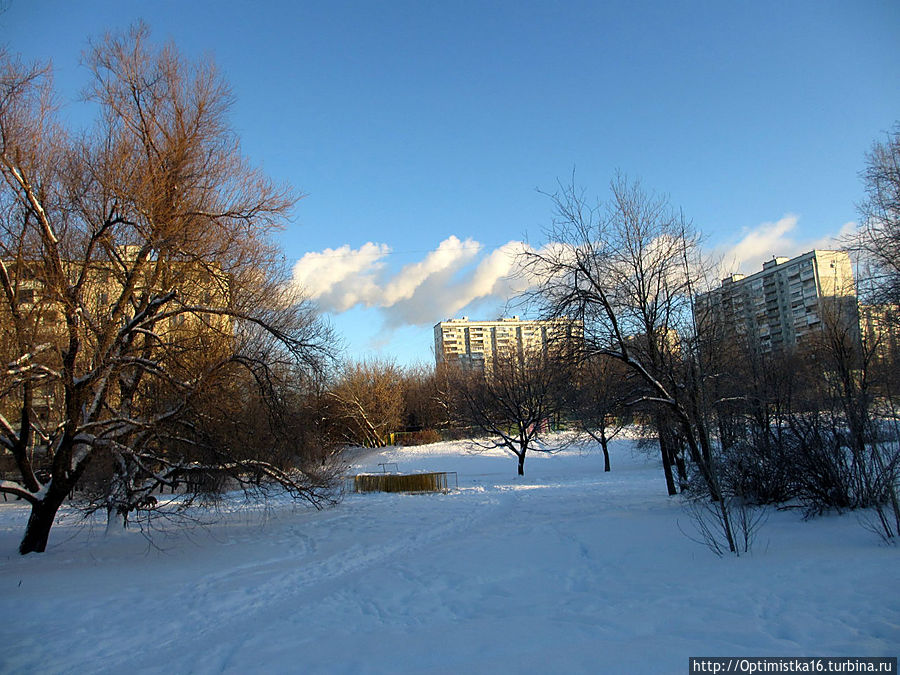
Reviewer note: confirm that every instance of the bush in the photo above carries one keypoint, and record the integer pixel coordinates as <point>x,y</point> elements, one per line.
<point>459,434</point>
<point>410,438</point>
<point>760,471</point>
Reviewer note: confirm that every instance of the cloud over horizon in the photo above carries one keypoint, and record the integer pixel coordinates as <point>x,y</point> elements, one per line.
<point>771,239</point>
<point>454,275</point>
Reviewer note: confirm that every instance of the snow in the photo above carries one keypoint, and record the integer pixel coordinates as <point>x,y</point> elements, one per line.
<point>565,570</point>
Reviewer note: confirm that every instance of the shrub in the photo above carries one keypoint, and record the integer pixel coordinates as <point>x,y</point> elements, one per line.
<point>759,470</point>
<point>410,438</point>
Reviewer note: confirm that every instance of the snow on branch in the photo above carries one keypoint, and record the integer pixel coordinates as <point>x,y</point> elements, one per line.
<point>12,488</point>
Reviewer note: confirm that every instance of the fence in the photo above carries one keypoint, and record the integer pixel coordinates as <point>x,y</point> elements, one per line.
<point>436,481</point>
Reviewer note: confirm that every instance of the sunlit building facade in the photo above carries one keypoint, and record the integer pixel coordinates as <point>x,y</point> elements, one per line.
<point>474,344</point>
<point>781,306</point>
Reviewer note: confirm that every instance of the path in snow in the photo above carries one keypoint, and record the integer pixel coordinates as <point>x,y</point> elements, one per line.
<point>566,570</point>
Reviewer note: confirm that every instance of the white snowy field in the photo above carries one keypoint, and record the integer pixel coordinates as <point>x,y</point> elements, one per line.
<point>565,570</point>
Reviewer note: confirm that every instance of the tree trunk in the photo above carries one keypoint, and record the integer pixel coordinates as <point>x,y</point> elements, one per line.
<point>707,470</point>
<point>43,513</point>
<point>603,444</point>
<point>667,468</point>
<point>682,468</point>
<point>726,431</point>
<point>37,532</point>
<point>522,464</point>
<point>115,521</point>
<point>667,452</point>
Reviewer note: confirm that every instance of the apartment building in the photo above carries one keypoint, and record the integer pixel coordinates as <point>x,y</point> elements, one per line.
<point>779,307</point>
<point>880,327</point>
<point>183,335</point>
<point>473,344</point>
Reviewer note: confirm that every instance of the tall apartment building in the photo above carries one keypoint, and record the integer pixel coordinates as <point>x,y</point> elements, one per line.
<point>880,327</point>
<point>198,335</point>
<point>473,344</point>
<point>779,307</point>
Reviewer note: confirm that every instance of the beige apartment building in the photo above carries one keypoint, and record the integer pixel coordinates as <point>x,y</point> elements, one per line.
<point>473,344</point>
<point>185,335</point>
<point>880,328</point>
<point>787,301</point>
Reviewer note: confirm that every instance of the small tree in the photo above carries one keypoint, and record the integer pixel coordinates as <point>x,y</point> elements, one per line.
<point>368,399</point>
<point>599,400</point>
<point>514,400</point>
<point>423,403</point>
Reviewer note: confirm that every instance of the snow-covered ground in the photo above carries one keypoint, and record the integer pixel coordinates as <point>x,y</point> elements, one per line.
<point>565,570</point>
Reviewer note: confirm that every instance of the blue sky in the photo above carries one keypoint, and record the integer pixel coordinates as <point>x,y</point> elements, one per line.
<point>419,131</point>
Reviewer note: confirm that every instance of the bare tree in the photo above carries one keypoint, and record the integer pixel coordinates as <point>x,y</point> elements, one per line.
<point>137,274</point>
<point>424,406</point>
<point>629,270</point>
<point>368,399</point>
<point>514,399</point>
<point>600,395</point>
<point>878,240</point>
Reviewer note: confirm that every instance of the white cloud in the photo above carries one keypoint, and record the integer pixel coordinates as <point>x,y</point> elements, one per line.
<point>761,243</point>
<point>341,278</point>
<point>449,278</point>
<point>450,255</point>
<point>771,239</point>
<point>495,274</point>
<point>838,239</point>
